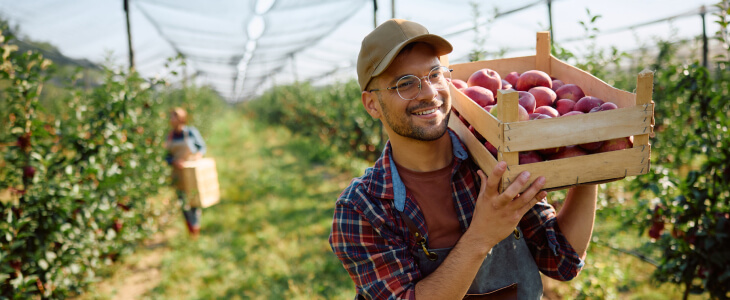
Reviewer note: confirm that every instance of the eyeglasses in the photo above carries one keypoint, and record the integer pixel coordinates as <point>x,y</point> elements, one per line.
<point>409,86</point>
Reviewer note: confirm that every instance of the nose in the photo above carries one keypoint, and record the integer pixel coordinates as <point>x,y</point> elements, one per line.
<point>428,91</point>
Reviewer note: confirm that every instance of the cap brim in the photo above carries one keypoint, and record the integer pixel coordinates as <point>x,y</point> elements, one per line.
<point>440,45</point>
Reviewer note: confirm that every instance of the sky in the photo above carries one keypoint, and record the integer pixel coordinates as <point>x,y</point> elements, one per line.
<point>319,39</point>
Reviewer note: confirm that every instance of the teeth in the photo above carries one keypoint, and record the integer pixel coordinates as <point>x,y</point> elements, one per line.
<point>426,112</point>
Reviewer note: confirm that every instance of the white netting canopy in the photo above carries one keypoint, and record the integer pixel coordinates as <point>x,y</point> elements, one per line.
<point>243,47</point>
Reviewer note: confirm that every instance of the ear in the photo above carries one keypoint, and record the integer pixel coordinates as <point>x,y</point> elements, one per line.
<point>371,104</point>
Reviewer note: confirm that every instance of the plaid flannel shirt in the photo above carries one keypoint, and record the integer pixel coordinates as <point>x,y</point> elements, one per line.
<point>374,244</point>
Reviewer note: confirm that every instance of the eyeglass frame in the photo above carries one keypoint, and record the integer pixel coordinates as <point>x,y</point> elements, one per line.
<point>420,85</point>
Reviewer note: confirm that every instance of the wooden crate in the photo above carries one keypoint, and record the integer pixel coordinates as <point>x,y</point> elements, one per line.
<point>200,182</point>
<point>633,118</point>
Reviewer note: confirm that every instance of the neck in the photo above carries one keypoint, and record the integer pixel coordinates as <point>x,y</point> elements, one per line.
<point>179,128</point>
<point>422,156</point>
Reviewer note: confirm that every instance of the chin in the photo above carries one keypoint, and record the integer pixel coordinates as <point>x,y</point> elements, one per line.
<point>430,134</point>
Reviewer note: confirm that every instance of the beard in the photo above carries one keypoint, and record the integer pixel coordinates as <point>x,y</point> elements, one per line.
<point>404,126</point>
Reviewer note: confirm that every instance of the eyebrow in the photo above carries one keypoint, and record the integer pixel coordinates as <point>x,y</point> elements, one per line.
<point>395,80</point>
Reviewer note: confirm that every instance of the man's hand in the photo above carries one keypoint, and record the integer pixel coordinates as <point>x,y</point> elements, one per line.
<point>497,215</point>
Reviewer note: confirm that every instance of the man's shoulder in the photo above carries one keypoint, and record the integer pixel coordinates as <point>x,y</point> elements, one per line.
<point>364,197</point>
<point>359,189</point>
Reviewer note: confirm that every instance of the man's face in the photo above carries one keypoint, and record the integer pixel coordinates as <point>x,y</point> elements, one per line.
<point>424,118</point>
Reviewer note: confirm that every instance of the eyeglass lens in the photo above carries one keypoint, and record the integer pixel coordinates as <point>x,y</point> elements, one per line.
<point>409,86</point>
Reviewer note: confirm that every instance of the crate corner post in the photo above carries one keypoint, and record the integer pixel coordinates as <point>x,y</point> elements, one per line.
<point>542,52</point>
<point>508,113</point>
<point>644,90</point>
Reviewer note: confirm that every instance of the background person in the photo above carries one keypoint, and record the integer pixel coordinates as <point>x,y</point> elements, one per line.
<point>184,143</point>
<point>424,222</point>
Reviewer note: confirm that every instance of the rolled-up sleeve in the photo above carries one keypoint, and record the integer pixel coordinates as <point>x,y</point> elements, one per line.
<point>554,255</point>
<point>378,262</point>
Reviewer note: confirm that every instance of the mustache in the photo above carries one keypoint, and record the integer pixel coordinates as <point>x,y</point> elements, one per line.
<point>422,105</point>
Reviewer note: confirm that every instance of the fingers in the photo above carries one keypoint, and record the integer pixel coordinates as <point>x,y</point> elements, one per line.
<point>497,172</point>
<point>513,190</point>
<point>531,195</point>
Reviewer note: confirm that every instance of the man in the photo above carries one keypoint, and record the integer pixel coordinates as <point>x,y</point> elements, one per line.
<point>424,222</point>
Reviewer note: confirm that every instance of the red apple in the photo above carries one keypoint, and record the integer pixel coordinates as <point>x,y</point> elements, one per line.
<point>570,151</point>
<point>491,148</point>
<point>539,116</point>
<point>616,144</point>
<point>592,146</point>
<point>551,151</point>
<point>570,91</point>
<point>486,78</point>
<point>459,84</point>
<point>16,264</point>
<point>564,106</point>
<point>24,141</point>
<point>527,101</point>
<point>476,133</point>
<point>587,103</point>
<point>605,106</point>
<point>28,172</point>
<point>572,113</point>
<point>506,85</point>
<point>488,108</point>
<point>557,83</point>
<point>512,78</point>
<point>480,95</point>
<point>528,157</point>
<point>543,96</point>
<point>532,79</point>
<point>118,224</point>
<point>657,227</point>
<point>547,110</point>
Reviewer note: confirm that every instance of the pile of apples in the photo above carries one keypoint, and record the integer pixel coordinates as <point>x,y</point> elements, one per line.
<point>540,97</point>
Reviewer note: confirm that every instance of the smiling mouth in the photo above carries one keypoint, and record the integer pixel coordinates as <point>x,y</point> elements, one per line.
<point>426,112</point>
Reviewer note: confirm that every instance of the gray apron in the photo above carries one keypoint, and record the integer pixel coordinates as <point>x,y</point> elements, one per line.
<point>509,262</point>
<point>180,151</point>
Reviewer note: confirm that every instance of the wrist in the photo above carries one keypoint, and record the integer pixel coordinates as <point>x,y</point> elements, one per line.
<point>477,242</point>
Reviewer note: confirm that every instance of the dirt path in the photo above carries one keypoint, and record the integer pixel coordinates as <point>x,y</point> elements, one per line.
<point>138,274</point>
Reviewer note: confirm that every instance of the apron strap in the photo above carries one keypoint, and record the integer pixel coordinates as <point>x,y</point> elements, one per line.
<point>420,239</point>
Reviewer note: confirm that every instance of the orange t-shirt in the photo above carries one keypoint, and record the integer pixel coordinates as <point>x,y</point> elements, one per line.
<point>432,192</point>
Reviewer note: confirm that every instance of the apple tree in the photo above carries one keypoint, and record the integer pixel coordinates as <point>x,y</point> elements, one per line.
<point>689,211</point>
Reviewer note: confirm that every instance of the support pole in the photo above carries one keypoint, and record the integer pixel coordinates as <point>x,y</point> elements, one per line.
<point>375,13</point>
<point>703,11</point>
<point>392,9</point>
<point>550,21</point>
<point>129,37</point>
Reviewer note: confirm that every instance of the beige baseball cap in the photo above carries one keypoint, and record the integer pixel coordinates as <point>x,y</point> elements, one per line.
<point>383,44</point>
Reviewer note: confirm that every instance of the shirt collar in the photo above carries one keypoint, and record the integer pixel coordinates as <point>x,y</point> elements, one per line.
<point>387,174</point>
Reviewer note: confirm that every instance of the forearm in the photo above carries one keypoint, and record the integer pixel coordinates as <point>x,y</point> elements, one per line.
<point>452,278</point>
<point>577,216</point>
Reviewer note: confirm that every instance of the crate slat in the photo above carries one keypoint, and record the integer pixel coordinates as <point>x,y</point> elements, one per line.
<point>590,84</point>
<point>483,158</point>
<point>483,122</point>
<point>579,129</point>
<point>604,167</point>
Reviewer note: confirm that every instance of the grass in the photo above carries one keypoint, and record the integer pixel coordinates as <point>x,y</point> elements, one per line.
<point>267,239</point>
